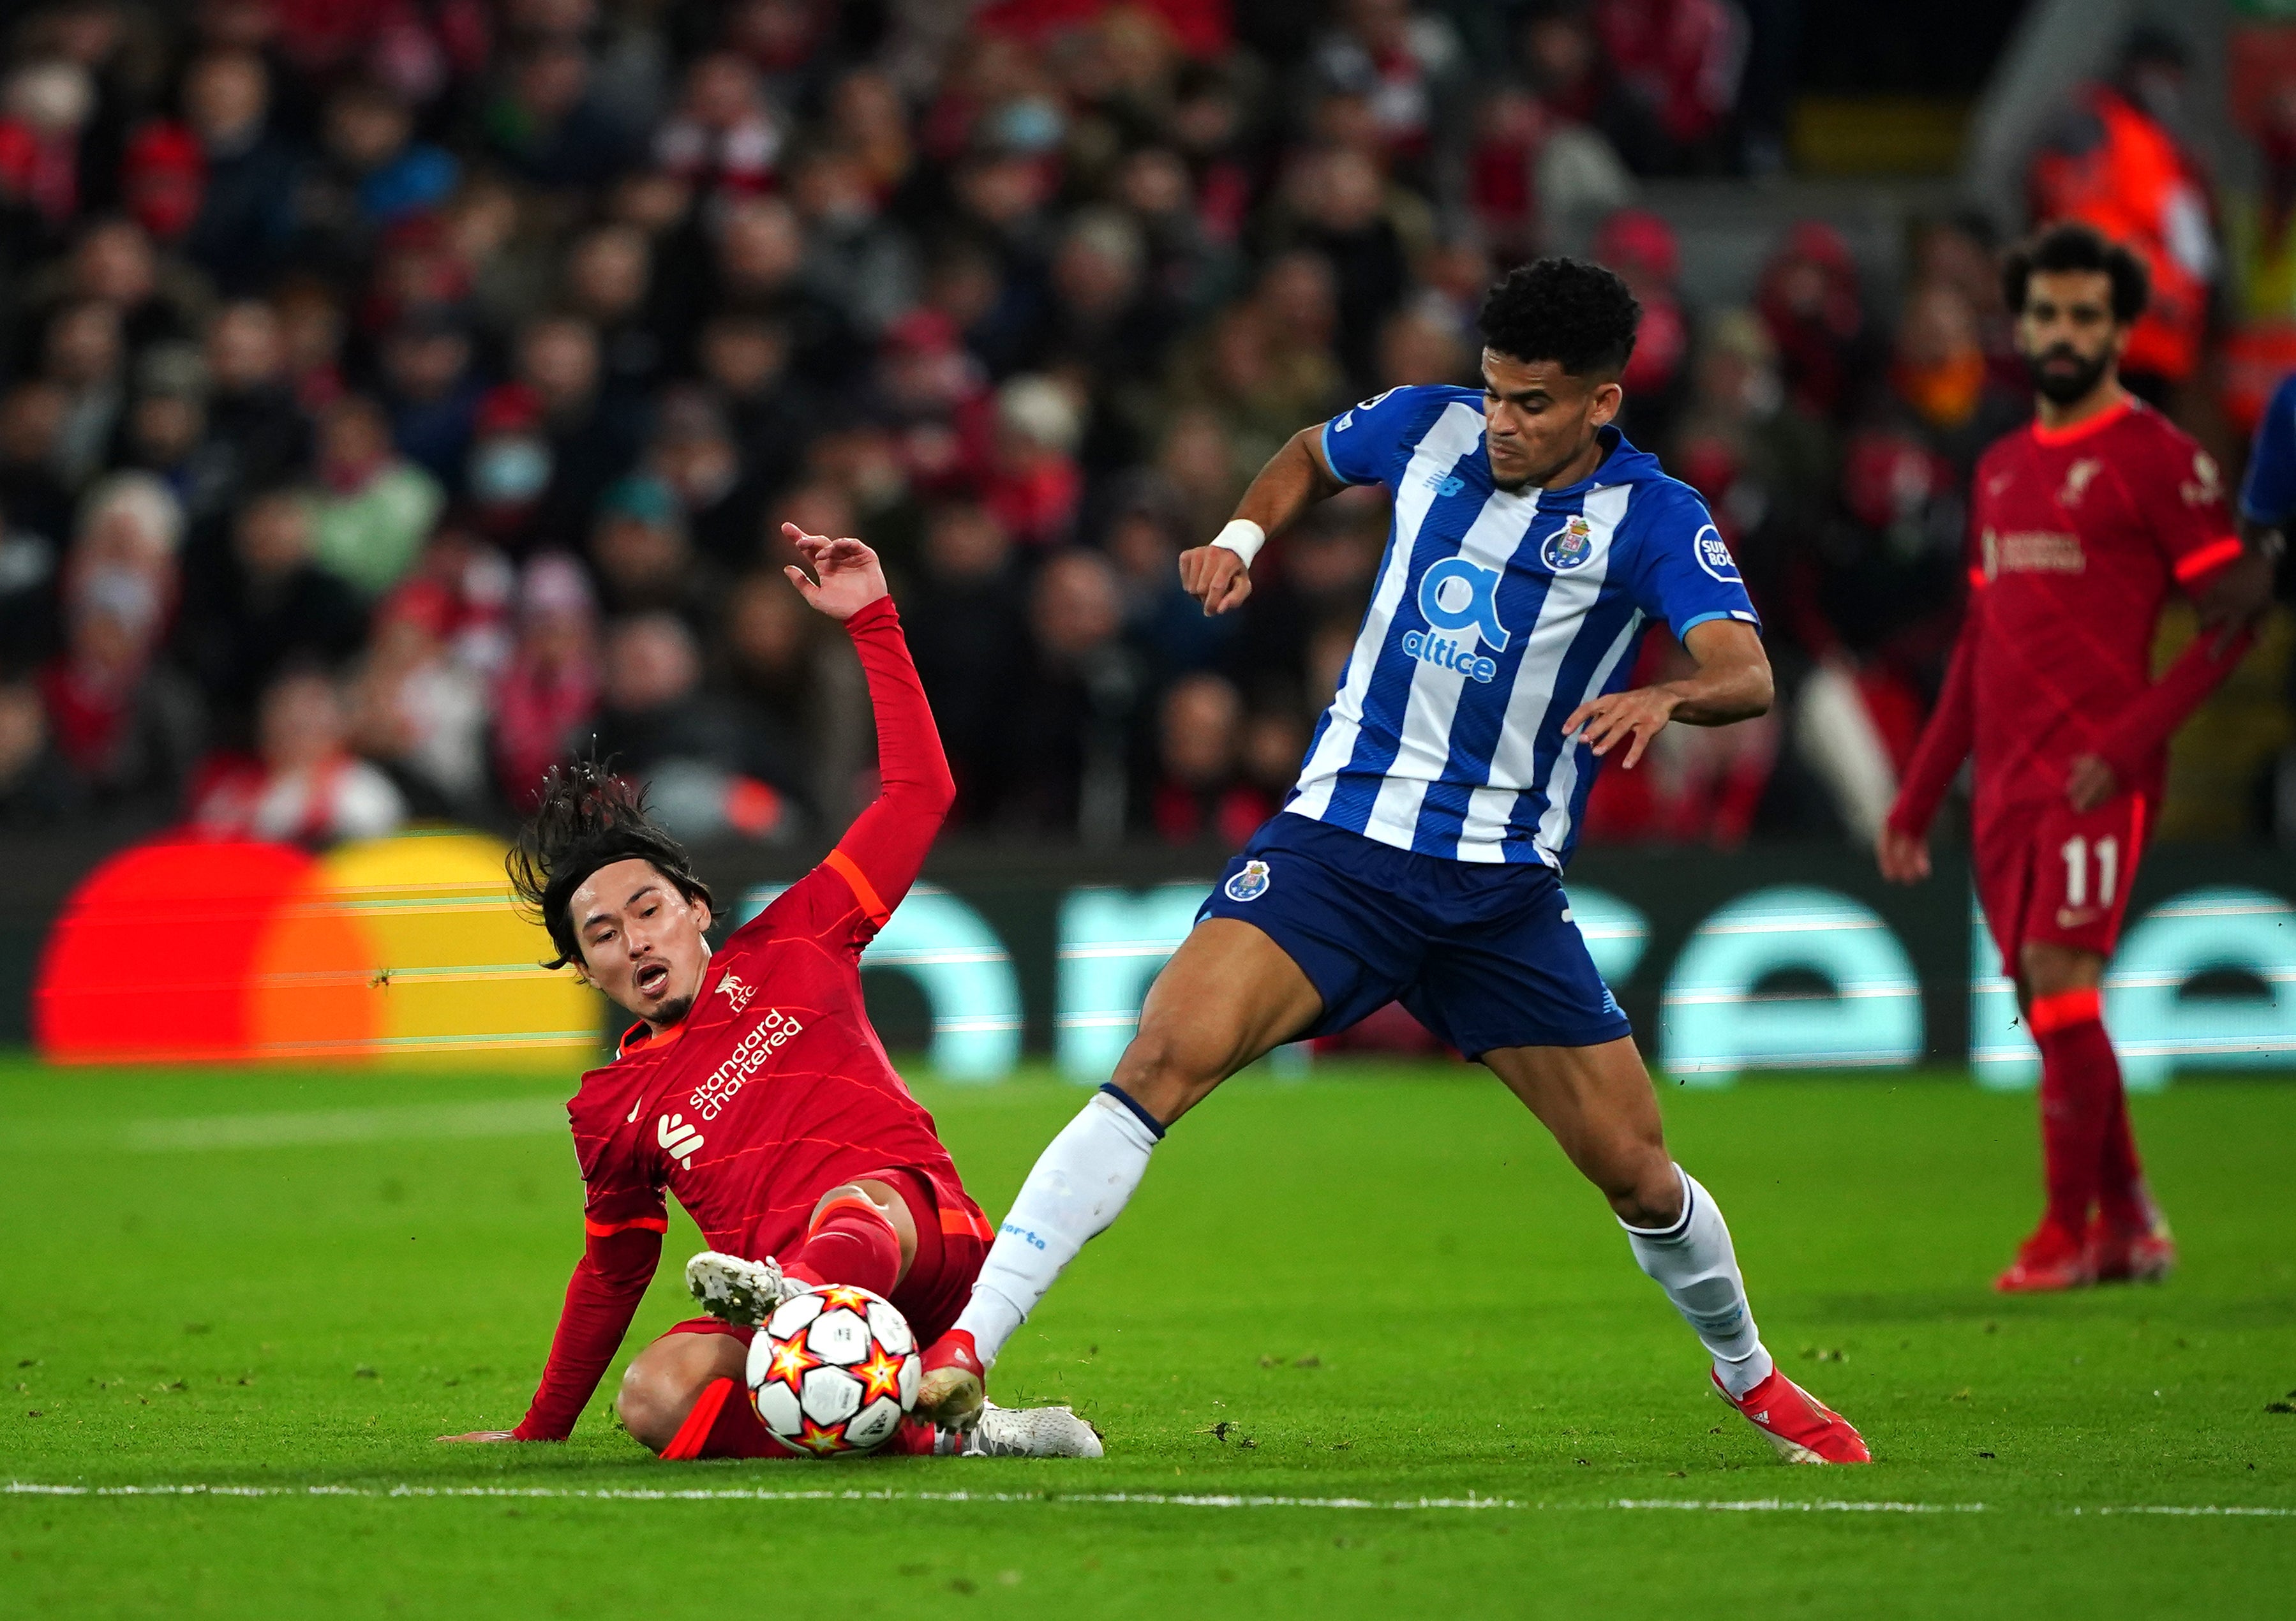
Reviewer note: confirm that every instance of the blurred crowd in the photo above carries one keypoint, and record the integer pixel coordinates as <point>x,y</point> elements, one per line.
<point>398,397</point>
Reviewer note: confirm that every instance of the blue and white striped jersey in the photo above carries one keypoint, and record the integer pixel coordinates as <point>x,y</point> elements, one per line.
<point>1496,613</point>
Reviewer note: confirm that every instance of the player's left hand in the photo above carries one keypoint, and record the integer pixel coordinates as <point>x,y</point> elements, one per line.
<point>2090,783</point>
<point>1630,717</point>
<point>484,1435</point>
<point>2237,596</point>
<point>850,576</point>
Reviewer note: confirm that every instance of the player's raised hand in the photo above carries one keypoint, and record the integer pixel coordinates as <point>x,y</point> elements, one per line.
<point>484,1435</point>
<point>1215,576</point>
<point>1904,858</point>
<point>850,578</point>
<point>1632,718</point>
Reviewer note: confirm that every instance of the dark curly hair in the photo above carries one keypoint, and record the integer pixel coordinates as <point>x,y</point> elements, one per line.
<point>588,818</point>
<point>2074,246</point>
<point>1576,315</point>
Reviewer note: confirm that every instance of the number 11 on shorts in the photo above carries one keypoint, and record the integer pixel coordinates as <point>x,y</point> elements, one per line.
<point>2077,851</point>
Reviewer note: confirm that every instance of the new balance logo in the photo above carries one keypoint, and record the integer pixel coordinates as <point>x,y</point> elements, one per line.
<point>678,1140</point>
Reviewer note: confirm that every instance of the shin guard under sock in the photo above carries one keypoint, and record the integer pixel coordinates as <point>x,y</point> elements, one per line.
<point>1078,1184</point>
<point>1692,1260</point>
<point>2080,1095</point>
<point>851,1242</point>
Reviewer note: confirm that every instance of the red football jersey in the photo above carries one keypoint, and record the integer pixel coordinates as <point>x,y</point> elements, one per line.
<point>2077,535</point>
<point>774,1089</point>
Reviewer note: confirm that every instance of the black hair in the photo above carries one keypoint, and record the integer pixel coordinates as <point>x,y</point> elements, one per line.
<point>588,818</point>
<point>1578,314</point>
<point>2073,246</point>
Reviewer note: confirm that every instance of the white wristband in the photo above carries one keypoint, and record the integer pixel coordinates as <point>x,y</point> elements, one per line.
<point>1244,538</point>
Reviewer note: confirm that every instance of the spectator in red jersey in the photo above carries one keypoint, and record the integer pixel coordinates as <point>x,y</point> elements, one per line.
<point>548,694</point>
<point>723,139</point>
<point>303,785</point>
<point>1032,483</point>
<point>1680,60</point>
<point>1641,246</point>
<point>417,712</point>
<point>2084,522</point>
<point>1201,793</point>
<point>123,721</point>
<point>1810,298</point>
<point>44,106</point>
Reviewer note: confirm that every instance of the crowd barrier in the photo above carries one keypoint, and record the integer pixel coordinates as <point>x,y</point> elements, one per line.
<point>406,951</point>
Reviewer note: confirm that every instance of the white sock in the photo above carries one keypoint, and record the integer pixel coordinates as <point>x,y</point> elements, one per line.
<point>1692,1261</point>
<point>1080,1182</point>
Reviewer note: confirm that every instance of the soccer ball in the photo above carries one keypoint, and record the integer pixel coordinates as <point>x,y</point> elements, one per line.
<point>833,1371</point>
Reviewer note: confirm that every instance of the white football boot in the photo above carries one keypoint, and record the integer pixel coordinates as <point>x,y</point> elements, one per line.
<point>738,1291</point>
<point>1028,1432</point>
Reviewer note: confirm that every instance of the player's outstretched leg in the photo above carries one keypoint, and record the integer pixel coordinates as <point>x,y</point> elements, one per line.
<point>1228,995</point>
<point>1597,1102</point>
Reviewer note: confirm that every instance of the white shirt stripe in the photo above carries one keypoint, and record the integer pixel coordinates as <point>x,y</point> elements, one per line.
<point>1562,781</point>
<point>1433,706</point>
<point>1514,764</point>
<point>1457,431</point>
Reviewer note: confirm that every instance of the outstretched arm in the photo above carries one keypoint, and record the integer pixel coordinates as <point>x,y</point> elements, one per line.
<point>884,850</point>
<point>601,1296</point>
<point>1732,682</point>
<point>1296,477</point>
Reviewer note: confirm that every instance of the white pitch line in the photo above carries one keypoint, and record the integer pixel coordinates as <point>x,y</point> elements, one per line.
<point>1177,1500</point>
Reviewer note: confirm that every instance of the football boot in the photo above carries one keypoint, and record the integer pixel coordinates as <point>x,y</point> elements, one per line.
<point>1801,1427</point>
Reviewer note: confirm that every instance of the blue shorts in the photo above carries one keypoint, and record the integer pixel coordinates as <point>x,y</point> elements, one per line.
<point>1484,955</point>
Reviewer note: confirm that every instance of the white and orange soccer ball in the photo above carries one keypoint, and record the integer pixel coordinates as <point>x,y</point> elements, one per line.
<point>834,1370</point>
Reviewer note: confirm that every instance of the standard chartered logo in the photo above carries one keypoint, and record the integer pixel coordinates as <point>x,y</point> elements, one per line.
<point>1455,595</point>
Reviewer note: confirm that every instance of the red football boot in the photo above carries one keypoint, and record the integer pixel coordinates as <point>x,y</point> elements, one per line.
<point>2046,1263</point>
<point>2126,1255</point>
<point>954,1384</point>
<point>1803,1428</point>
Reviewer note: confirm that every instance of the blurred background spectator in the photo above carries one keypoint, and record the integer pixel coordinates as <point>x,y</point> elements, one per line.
<point>395,399</point>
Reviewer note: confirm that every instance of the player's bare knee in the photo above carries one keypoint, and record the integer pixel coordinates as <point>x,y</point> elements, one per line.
<point>1166,1071</point>
<point>1638,1176</point>
<point>653,1401</point>
<point>872,1196</point>
<point>2049,970</point>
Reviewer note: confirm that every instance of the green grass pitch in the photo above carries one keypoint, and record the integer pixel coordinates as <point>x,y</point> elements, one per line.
<point>1376,1286</point>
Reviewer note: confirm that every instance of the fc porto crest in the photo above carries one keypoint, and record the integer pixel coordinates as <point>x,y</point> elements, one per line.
<point>1569,547</point>
<point>1250,884</point>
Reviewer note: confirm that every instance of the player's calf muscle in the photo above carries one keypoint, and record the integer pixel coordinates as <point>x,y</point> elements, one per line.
<point>1228,995</point>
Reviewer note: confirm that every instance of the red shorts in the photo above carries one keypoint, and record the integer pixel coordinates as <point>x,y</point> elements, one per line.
<point>2051,875</point>
<point>951,1244</point>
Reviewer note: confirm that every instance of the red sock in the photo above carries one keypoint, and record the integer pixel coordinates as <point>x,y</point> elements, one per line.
<point>851,1241</point>
<point>724,1425</point>
<point>2080,1099</point>
<point>2120,1192</point>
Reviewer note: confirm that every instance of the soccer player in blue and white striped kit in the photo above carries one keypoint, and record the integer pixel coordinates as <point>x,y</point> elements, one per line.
<point>1419,857</point>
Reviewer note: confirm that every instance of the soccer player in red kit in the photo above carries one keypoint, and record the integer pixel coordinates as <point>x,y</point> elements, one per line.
<point>2083,523</point>
<point>753,1088</point>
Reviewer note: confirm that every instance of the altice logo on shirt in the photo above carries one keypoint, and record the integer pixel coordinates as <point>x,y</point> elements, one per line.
<point>1457,595</point>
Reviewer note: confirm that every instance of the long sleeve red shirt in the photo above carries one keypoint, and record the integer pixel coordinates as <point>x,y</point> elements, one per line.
<point>2080,536</point>
<point>774,1089</point>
